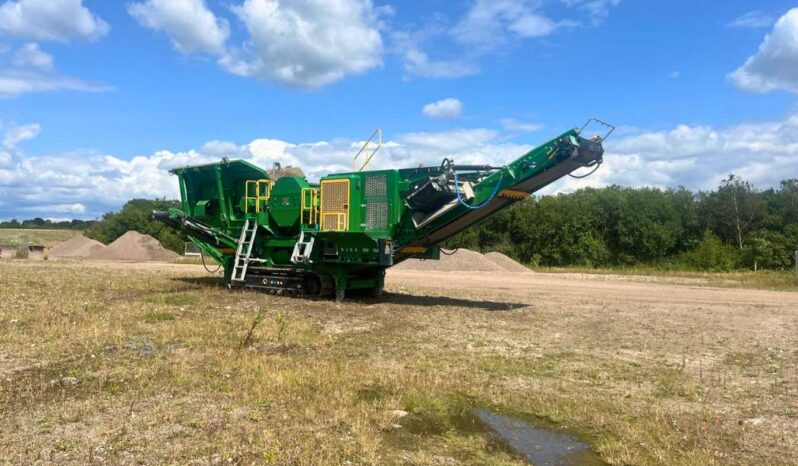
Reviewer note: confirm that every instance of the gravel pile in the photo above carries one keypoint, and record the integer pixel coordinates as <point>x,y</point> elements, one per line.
<point>507,263</point>
<point>135,247</point>
<point>465,260</point>
<point>77,247</point>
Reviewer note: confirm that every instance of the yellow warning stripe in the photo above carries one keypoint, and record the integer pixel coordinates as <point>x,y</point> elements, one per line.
<point>413,250</point>
<point>512,194</point>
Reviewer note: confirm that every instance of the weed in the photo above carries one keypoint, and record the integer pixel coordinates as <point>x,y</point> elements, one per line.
<point>249,337</point>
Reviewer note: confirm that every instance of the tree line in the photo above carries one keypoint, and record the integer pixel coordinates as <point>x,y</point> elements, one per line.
<point>47,224</point>
<point>735,226</point>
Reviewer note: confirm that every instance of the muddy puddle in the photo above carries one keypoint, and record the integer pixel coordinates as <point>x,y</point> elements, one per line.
<point>538,442</point>
<point>540,445</point>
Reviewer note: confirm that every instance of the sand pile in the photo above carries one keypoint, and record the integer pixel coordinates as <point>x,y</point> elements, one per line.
<point>78,246</point>
<point>135,247</point>
<point>465,260</point>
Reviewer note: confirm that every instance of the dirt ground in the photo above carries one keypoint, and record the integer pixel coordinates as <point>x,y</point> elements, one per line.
<point>135,363</point>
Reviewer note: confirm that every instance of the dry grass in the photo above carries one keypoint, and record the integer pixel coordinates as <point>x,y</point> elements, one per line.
<point>44,237</point>
<point>158,365</point>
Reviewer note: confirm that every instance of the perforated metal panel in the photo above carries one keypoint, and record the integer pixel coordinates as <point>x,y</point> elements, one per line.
<point>376,202</point>
<point>376,186</point>
<point>335,205</point>
<point>377,215</point>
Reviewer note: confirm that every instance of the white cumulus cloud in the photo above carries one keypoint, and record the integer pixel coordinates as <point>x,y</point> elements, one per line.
<point>300,43</point>
<point>775,65</point>
<point>445,109</point>
<point>191,26</point>
<point>307,43</point>
<point>56,20</point>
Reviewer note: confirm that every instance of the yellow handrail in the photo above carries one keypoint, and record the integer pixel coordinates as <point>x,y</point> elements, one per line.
<point>364,150</point>
<point>310,205</point>
<point>261,195</point>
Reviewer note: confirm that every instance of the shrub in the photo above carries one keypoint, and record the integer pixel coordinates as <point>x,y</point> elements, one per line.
<point>711,254</point>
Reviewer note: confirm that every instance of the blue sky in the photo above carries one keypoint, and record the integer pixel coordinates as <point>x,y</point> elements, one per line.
<point>99,98</point>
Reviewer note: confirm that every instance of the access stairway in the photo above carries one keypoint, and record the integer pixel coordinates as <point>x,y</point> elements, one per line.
<point>244,251</point>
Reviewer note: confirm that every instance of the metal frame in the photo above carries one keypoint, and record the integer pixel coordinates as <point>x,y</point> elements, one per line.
<point>378,134</point>
<point>602,123</point>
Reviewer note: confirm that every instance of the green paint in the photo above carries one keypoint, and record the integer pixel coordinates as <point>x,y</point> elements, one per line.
<point>215,194</point>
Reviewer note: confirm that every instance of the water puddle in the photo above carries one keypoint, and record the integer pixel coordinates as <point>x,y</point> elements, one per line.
<point>539,442</point>
<point>541,446</point>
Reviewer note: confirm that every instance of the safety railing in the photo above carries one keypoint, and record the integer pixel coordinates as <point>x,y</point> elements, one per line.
<point>334,205</point>
<point>310,206</point>
<point>259,191</point>
<point>370,147</point>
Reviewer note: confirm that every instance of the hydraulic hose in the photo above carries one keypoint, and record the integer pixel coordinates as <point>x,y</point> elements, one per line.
<point>487,201</point>
<point>202,256</point>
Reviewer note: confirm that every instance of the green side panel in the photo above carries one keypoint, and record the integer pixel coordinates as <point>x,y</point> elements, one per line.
<point>374,206</point>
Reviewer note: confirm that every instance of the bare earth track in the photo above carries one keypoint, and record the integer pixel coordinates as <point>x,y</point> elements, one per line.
<point>130,363</point>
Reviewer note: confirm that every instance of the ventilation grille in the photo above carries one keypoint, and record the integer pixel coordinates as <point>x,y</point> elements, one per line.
<point>335,205</point>
<point>376,186</point>
<point>376,202</point>
<point>377,215</point>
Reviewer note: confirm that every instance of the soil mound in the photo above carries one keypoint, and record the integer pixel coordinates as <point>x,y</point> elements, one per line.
<point>463,260</point>
<point>78,246</point>
<point>507,263</point>
<point>135,247</point>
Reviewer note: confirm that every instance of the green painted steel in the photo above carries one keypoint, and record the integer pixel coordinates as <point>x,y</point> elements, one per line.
<point>284,202</point>
<point>386,216</point>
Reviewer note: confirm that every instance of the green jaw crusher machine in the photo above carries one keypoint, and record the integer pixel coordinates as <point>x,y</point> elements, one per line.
<point>339,236</point>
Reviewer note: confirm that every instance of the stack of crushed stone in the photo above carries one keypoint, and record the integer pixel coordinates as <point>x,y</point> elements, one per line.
<point>465,260</point>
<point>76,247</point>
<point>135,247</point>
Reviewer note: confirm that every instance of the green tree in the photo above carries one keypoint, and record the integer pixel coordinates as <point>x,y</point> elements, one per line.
<point>136,215</point>
<point>734,210</point>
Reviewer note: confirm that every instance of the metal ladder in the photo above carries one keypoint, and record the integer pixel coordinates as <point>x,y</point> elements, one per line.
<point>303,248</point>
<point>244,251</point>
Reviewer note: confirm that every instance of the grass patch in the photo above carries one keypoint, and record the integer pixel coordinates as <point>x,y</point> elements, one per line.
<point>174,299</point>
<point>155,317</point>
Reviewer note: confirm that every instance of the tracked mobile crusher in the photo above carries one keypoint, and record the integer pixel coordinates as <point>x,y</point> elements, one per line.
<point>340,235</point>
